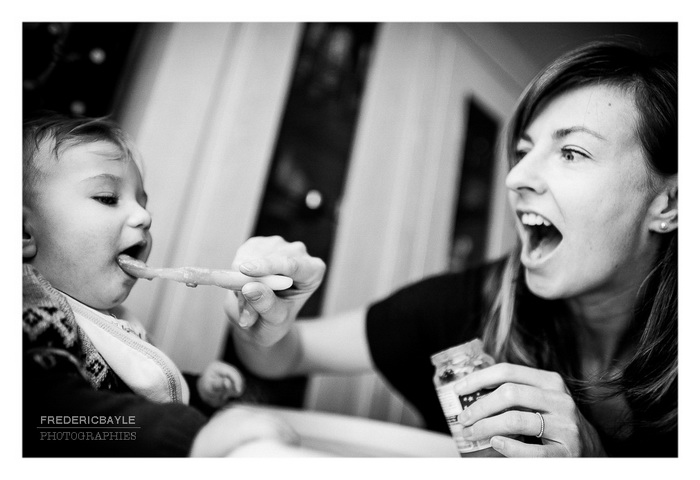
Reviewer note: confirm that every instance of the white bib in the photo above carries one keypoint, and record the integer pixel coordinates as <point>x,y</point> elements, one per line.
<point>145,369</point>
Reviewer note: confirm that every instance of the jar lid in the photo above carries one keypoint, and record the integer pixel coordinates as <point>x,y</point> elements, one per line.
<point>458,353</point>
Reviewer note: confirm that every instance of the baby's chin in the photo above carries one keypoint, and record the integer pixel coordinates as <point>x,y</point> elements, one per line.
<point>116,303</point>
<point>99,302</point>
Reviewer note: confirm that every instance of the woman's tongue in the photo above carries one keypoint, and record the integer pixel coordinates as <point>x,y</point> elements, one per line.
<point>544,242</point>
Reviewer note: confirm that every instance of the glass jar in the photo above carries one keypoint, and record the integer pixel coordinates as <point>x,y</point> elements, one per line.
<point>450,366</point>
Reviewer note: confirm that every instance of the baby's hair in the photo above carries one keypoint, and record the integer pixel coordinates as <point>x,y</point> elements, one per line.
<point>47,136</point>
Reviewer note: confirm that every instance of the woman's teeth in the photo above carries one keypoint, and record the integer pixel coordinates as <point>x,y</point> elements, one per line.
<point>534,219</point>
<point>541,237</point>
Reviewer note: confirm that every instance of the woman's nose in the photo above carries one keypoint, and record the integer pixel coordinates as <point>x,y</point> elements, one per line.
<point>527,174</point>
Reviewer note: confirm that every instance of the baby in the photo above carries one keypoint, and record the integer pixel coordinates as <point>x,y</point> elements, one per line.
<point>84,203</point>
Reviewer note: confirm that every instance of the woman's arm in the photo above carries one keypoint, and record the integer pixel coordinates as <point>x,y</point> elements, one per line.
<point>335,345</point>
<point>268,338</point>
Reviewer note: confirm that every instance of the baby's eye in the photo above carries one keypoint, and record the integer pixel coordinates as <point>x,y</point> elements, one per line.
<point>106,199</point>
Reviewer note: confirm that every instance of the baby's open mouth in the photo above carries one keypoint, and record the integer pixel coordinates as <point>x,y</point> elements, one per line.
<point>541,236</point>
<point>134,251</point>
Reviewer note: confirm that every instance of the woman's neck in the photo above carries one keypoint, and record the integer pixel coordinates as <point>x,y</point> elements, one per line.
<point>602,324</point>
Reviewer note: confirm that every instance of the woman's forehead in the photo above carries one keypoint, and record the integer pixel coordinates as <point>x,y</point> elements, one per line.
<point>606,110</point>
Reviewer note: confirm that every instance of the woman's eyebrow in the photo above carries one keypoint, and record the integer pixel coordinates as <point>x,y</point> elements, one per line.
<point>525,137</point>
<point>564,132</point>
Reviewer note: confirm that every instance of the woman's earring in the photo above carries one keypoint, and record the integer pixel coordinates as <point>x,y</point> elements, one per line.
<point>663,226</point>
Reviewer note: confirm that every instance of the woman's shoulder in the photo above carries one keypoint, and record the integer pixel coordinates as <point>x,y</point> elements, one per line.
<point>447,293</point>
<point>473,276</point>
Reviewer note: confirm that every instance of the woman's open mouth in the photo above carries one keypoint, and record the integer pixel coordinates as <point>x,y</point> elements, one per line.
<point>541,237</point>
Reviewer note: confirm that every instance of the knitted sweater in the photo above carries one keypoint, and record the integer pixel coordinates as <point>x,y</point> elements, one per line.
<point>74,404</point>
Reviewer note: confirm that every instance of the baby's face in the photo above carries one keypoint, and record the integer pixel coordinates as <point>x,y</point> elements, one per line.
<point>90,208</point>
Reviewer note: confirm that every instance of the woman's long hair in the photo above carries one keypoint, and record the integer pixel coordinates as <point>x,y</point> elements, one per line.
<point>545,340</point>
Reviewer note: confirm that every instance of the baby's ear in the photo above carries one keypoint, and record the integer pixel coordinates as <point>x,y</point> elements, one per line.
<point>28,239</point>
<point>663,211</point>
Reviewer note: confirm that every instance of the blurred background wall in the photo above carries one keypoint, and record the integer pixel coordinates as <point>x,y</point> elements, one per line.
<point>375,144</point>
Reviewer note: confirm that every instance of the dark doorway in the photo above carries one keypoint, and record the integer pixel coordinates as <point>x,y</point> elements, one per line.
<point>307,175</point>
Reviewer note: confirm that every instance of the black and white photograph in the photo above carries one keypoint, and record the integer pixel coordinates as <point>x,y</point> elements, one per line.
<point>374,238</point>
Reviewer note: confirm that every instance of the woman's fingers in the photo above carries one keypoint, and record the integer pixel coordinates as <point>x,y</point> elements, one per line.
<point>512,423</point>
<point>265,317</point>
<point>526,401</point>
<point>510,396</point>
<point>510,447</point>
<point>256,300</point>
<point>501,373</point>
<point>264,255</point>
<point>304,270</point>
<point>263,301</point>
<point>247,316</point>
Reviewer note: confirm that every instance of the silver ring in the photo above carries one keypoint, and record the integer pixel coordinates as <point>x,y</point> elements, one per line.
<point>539,435</point>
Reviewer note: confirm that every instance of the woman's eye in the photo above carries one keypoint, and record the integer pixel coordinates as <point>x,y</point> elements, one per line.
<point>520,149</point>
<point>107,199</point>
<point>519,153</point>
<point>571,155</point>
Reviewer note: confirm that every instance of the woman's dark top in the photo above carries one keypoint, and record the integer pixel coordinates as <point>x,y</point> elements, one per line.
<point>442,311</point>
<point>405,329</point>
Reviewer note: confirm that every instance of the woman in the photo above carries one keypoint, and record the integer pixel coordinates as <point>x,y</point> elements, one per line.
<point>583,315</point>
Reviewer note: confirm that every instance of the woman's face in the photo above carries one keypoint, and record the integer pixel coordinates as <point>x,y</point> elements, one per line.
<point>581,193</point>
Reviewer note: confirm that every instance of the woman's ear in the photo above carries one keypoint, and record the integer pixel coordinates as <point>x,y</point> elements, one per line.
<point>28,239</point>
<point>663,211</point>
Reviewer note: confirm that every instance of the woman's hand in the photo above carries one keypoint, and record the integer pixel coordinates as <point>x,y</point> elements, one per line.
<point>259,314</point>
<point>509,411</point>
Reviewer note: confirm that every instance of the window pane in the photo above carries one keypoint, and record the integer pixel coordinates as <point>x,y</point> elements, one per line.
<point>307,175</point>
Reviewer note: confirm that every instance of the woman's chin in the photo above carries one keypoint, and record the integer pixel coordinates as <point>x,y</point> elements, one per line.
<point>541,286</point>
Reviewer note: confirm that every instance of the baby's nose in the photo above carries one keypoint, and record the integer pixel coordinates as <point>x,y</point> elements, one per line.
<point>141,217</point>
